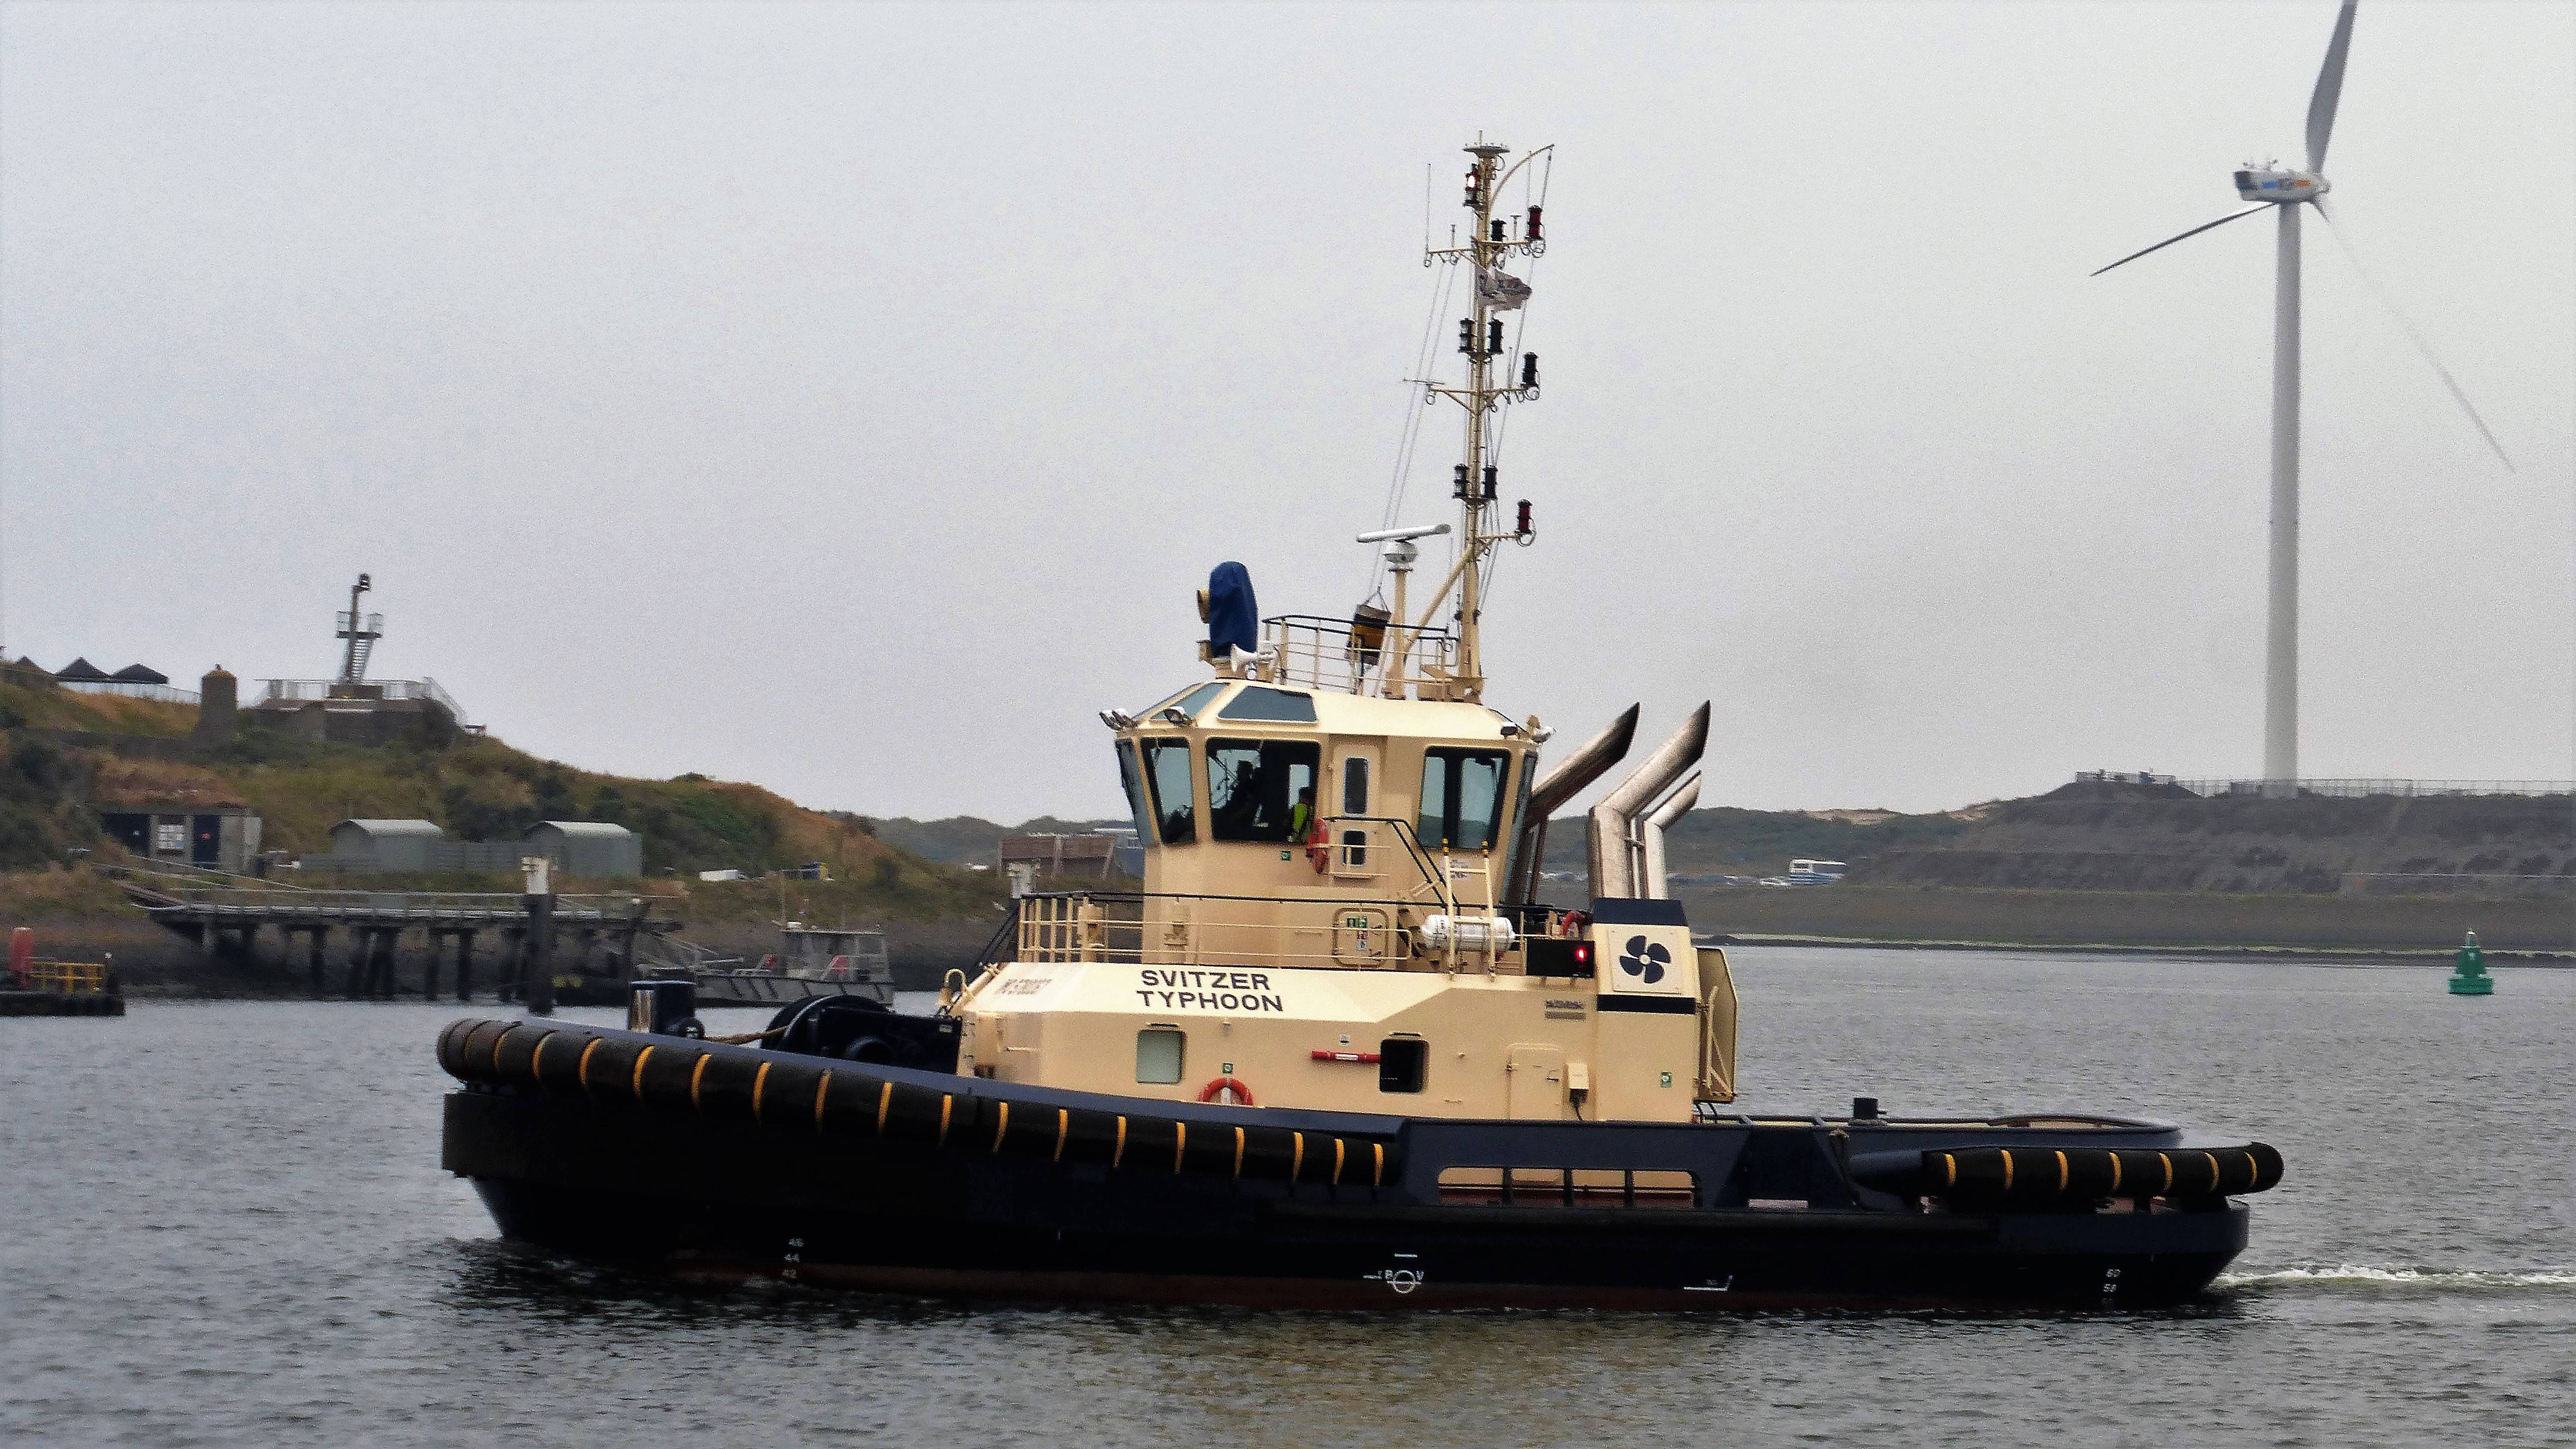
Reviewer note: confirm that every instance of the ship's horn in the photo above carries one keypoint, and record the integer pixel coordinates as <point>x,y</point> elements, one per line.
<point>1567,780</point>
<point>1614,820</point>
<point>1650,844</point>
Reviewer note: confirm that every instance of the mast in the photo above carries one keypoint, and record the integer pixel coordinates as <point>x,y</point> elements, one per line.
<point>1490,240</point>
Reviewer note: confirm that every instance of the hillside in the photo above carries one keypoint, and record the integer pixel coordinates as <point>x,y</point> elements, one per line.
<point>67,754</point>
<point>968,839</point>
<point>2133,838</point>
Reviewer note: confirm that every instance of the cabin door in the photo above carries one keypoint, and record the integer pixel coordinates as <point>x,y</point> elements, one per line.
<point>1534,1083</point>
<point>1359,846</point>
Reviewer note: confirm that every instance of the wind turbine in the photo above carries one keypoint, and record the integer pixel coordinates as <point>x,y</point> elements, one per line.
<point>2284,192</point>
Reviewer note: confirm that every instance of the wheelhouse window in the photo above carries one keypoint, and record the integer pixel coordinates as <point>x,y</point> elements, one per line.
<point>1158,1055</point>
<point>1276,706</point>
<point>1189,701</point>
<point>1462,798</point>
<point>1131,778</point>
<point>1355,785</point>
<point>1167,768</point>
<point>1255,787</point>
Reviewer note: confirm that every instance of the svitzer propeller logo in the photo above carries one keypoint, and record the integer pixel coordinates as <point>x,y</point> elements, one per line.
<point>1645,960</point>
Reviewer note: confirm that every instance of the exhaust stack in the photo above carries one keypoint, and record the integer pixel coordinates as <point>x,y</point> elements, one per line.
<point>1614,847</point>
<point>1650,847</point>
<point>1587,763</point>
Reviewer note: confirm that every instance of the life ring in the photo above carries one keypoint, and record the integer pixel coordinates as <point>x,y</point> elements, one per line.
<point>1209,1092</point>
<point>1318,847</point>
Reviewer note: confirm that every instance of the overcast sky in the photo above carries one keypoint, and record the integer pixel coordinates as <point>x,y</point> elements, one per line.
<point>849,398</point>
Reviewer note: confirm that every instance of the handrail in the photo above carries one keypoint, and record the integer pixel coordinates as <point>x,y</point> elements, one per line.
<point>1413,849</point>
<point>1319,651</point>
<point>69,978</point>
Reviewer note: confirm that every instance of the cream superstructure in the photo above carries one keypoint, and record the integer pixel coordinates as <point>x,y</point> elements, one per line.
<point>1341,848</point>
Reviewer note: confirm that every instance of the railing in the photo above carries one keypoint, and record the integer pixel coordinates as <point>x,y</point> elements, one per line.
<point>69,978</point>
<point>2333,789</point>
<point>1322,653</point>
<point>293,691</point>
<point>1168,929</point>
<point>476,907</point>
<point>670,953</point>
<point>131,689</point>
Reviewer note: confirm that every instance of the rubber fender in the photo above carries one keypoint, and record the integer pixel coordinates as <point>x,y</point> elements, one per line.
<point>515,1049</point>
<point>1267,1153</point>
<point>451,1047</point>
<point>2044,1176</point>
<point>474,1053</point>
<point>1090,1137</point>
<point>722,1088</point>
<point>605,1071</point>
<point>784,1096</point>
<point>667,1073</point>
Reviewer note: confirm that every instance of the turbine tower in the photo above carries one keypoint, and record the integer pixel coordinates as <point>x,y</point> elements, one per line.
<point>2284,192</point>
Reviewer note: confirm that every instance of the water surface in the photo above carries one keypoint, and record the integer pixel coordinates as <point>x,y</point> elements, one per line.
<point>225,1224</point>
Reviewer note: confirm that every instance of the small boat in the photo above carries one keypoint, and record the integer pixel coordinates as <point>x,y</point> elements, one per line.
<point>1336,1052</point>
<point>810,962</point>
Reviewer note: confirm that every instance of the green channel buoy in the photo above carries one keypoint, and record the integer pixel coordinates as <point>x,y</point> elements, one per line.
<point>2470,977</point>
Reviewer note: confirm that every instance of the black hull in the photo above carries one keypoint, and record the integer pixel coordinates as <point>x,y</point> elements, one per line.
<point>696,1196</point>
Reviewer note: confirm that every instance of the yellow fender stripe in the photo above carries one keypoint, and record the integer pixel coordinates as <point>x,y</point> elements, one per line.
<point>1377,1175</point>
<point>947,1103</point>
<point>581,1074</point>
<point>2115,1172</point>
<point>1337,1161</point>
<point>496,1048</point>
<point>1180,1143</point>
<point>1238,1152</point>
<point>2062,1174</point>
<point>2007,1169</point>
<point>1063,1123</point>
<point>2168,1184</point>
<point>821,1089</point>
<point>1120,1150</point>
<point>698,1074</point>
<point>885,1099</point>
<point>759,1084</point>
<point>537,1059</point>
<point>1949,1170</point>
<point>637,1085</point>
<point>1297,1157</point>
<point>1001,1124</point>
<point>2213,1170</point>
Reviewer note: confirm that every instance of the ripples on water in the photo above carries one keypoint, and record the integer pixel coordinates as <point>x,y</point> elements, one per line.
<point>226,1224</point>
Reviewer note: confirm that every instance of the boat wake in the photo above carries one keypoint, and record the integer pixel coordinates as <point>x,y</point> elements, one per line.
<point>2343,1275</point>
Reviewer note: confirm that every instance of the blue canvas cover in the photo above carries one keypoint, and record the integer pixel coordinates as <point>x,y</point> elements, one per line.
<point>1233,620</point>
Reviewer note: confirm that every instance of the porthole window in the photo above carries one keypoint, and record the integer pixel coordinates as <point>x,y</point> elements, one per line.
<point>1402,1063</point>
<point>1355,786</point>
<point>1158,1055</point>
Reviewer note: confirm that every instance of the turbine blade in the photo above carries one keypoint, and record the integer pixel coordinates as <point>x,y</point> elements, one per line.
<point>2321,103</point>
<point>2195,231</point>
<point>2426,348</point>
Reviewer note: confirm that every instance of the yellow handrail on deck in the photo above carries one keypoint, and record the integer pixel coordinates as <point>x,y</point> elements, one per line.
<point>70,978</point>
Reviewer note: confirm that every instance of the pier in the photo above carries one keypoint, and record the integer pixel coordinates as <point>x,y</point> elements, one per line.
<point>604,931</point>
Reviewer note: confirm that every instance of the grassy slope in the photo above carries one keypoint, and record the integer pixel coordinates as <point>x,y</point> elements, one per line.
<point>969,839</point>
<point>480,788</point>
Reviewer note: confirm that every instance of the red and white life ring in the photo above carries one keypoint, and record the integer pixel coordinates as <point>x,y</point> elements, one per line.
<point>1222,1085</point>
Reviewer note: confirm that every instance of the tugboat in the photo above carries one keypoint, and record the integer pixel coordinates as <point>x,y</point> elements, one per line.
<point>1336,1052</point>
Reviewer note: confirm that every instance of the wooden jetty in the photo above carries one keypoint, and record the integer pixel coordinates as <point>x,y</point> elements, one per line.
<point>229,919</point>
